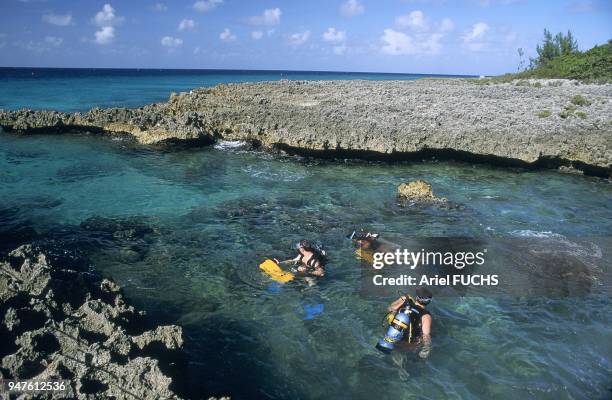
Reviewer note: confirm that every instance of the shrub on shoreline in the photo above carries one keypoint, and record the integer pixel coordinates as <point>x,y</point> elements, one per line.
<point>559,58</point>
<point>544,114</point>
<point>580,101</point>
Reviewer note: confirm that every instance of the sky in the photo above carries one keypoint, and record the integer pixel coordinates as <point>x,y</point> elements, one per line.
<point>413,36</point>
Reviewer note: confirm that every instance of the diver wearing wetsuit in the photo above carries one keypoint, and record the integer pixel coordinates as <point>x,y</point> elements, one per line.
<point>311,262</point>
<point>420,320</point>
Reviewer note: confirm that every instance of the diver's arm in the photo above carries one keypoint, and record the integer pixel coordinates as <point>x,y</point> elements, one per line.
<point>426,329</point>
<point>293,260</point>
<point>397,304</point>
<point>318,270</point>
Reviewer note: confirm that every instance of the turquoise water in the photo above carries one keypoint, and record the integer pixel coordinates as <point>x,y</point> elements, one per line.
<point>82,89</point>
<point>184,230</point>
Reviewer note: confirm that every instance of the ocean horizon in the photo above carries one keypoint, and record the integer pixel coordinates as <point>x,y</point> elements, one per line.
<point>80,89</point>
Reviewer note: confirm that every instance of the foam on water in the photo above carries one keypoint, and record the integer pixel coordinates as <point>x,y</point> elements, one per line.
<point>230,144</point>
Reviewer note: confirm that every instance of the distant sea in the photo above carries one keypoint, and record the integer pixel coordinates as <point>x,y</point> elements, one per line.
<point>69,89</point>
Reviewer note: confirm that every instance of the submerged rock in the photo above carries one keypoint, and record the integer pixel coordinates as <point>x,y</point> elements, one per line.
<point>56,324</point>
<point>418,191</point>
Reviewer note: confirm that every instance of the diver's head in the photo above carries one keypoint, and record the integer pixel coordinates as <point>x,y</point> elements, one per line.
<point>303,245</point>
<point>423,296</point>
<point>364,239</point>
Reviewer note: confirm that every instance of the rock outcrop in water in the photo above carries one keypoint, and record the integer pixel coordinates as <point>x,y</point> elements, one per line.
<point>58,324</point>
<point>418,191</point>
<point>520,123</point>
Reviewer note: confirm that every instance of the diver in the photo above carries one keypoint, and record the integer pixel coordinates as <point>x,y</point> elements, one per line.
<point>409,322</point>
<point>368,243</point>
<point>365,240</point>
<point>311,259</point>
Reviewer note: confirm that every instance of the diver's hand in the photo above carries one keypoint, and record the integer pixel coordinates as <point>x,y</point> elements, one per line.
<point>276,261</point>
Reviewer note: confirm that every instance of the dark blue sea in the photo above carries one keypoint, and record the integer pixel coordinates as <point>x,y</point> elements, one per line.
<point>65,89</point>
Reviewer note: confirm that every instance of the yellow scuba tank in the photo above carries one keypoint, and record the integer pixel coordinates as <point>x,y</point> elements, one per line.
<point>367,256</point>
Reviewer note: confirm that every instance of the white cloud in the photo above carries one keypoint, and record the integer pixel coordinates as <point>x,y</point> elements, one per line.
<point>54,41</point>
<point>57,19</point>
<point>172,42</point>
<point>477,32</point>
<point>269,17</point>
<point>337,38</point>
<point>105,35</point>
<point>447,25</point>
<point>107,17</point>
<point>257,35</point>
<point>160,7</point>
<point>340,50</point>
<point>334,36</point>
<point>474,39</point>
<point>298,38</point>
<point>227,35</point>
<point>422,35</point>
<point>398,43</point>
<point>416,20</point>
<point>206,5</point>
<point>186,25</point>
<point>431,45</point>
<point>351,8</point>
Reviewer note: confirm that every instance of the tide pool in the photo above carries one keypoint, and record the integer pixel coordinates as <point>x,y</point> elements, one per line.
<point>183,232</point>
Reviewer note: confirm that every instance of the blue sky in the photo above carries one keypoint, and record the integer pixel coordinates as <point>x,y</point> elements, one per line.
<point>422,36</point>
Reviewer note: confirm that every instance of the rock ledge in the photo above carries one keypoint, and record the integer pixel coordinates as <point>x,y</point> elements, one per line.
<point>59,324</point>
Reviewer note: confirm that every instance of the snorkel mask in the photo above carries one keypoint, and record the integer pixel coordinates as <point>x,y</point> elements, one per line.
<point>362,235</point>
<point>303,244</point>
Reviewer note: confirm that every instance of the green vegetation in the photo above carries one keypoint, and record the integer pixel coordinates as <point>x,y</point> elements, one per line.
<point>559,58</point>
<point>581,114</point>
<point>591,65</point>
<point>580,101</point>
<point>568,111</point>
<point>544,114</point>
<point>552,48</point>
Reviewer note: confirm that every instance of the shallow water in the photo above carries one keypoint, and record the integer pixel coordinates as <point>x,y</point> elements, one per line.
<point>184,230</point>
<point>63,89</point>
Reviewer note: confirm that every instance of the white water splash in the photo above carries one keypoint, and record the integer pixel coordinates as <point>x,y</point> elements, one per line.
<point>535,234</point>
<point>230,144</point>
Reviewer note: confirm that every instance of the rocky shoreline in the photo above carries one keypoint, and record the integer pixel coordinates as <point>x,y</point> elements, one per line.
<point>59,323</point>
<point>537,123</point>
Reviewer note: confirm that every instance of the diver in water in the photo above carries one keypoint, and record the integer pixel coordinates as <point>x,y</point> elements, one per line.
<point>420,319</point>
<point>368,243</point>
<point>310,258</point>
